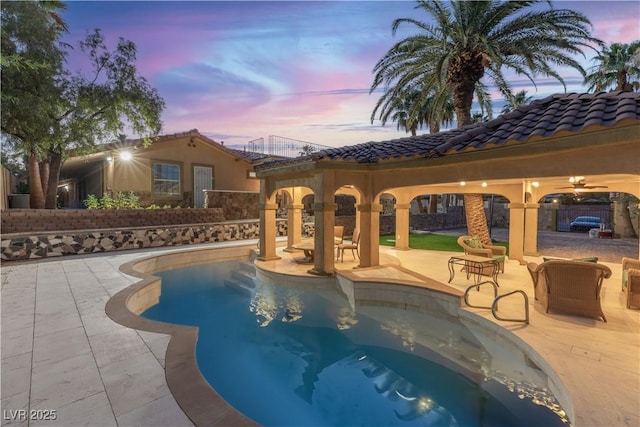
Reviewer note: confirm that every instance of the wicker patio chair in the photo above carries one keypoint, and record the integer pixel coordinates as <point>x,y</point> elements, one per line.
<point>633,289</point>
<point>538,291</point>
<point>473,246</point>
<point>571,287</point>
<point>628,264</point>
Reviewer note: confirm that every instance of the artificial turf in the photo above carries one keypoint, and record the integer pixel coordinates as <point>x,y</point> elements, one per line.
<point>434,242</point>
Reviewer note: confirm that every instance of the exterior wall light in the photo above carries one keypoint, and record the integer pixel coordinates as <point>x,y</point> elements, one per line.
<point>125,155</point>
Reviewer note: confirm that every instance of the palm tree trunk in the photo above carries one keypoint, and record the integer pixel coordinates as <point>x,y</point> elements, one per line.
<point>622,218</point>
<point>476,218</point>
<point>36,195</point>
<point>433,203</point>
<point>621,80</point>
<point>421,208</point>
<point>462,100</point>
<point>474,208</point>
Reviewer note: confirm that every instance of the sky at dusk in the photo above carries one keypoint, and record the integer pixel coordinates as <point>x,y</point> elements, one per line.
<point>237,71</point>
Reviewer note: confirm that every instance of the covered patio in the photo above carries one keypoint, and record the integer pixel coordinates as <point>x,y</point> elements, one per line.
<point>522,156</point>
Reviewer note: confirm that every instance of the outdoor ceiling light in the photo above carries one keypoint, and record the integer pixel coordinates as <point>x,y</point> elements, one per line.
<point>484,184</point>
<point>109,159</point>
<point>535,183</point>
<point>462,183</point>
<point>125,155</point>
<point>573,179</point>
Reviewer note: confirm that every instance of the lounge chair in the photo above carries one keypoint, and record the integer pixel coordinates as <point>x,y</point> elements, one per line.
<point>353,245</point>
<point>473,246</point>
<point>631,281</point>
<point>571,287</point>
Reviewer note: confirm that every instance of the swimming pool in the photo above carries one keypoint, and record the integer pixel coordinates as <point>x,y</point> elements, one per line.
<point>287,356</point>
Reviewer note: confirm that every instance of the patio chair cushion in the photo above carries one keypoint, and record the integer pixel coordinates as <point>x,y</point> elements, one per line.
<point>588,259</point>
<point>625,278</point>
<point>628,264</point>
<point>474,242</point>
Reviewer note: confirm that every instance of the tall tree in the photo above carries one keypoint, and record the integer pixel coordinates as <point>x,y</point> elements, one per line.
<point>614,67</point>
<point>32,57</point>
<point>464,41</point>
<point>100,105</point>
<point>49,112</point>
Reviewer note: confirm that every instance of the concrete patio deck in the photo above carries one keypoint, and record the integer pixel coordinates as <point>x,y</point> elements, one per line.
<point>61,352</point>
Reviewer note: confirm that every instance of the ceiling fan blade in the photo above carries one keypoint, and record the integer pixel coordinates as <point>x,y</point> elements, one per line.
<point>595,186</point>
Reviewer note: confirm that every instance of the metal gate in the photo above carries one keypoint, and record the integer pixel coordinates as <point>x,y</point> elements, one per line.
<point>202,180</point>
<point>567,213</point>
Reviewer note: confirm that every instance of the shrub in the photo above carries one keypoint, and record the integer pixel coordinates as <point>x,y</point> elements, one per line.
<point>91,202</point>
<point>122,200</point>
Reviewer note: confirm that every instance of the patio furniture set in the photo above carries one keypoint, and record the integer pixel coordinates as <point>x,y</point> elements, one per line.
<point>308,248</point>
<point>560,285</point>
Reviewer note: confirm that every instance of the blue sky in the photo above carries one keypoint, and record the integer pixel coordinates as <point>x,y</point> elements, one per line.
<point>237,71</point>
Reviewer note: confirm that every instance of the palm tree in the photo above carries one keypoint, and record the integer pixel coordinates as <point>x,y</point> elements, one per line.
<point>615,66</point>
<point>412,110</point>
<point>402,113</point>
<point>515,101</point>
<point>465,40</point>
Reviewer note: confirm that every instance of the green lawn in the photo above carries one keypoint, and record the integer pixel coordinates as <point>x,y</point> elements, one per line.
<point>434,242</point>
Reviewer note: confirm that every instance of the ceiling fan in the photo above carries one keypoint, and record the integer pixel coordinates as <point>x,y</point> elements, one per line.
<point>578,184</point>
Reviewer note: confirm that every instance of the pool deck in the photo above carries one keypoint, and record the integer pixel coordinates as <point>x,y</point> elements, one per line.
<point>60,352</point>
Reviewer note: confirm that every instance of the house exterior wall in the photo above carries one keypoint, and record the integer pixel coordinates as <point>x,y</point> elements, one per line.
<point>230,172</point>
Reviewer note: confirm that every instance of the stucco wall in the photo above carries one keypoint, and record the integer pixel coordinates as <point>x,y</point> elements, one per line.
<point>230,173</point>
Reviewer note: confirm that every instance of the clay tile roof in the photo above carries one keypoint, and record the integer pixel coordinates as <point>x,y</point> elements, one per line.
<point>542,118</point>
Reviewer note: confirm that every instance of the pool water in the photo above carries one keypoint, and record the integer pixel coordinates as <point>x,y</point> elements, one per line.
<point>290,357</point>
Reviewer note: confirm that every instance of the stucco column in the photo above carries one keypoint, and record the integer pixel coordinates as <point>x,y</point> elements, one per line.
<point>402,226</point>
<point>294,225</point>
<point>267,231</point>
<point>531,229</point>
<point>324,262</point>
<point>516,232</point>
<point>369,246</point>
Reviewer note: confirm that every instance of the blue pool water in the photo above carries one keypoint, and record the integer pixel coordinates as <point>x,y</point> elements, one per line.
<point>289,357</point>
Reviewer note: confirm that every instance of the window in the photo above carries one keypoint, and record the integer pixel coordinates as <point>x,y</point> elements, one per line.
<point>166,180</point>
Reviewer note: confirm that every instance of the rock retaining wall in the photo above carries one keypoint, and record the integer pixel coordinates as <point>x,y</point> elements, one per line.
<point>55,244</point>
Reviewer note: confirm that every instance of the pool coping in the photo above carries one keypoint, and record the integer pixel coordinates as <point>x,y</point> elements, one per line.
<point>197,399</point>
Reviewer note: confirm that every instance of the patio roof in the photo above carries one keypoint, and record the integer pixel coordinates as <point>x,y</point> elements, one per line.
<point>550,117</point>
